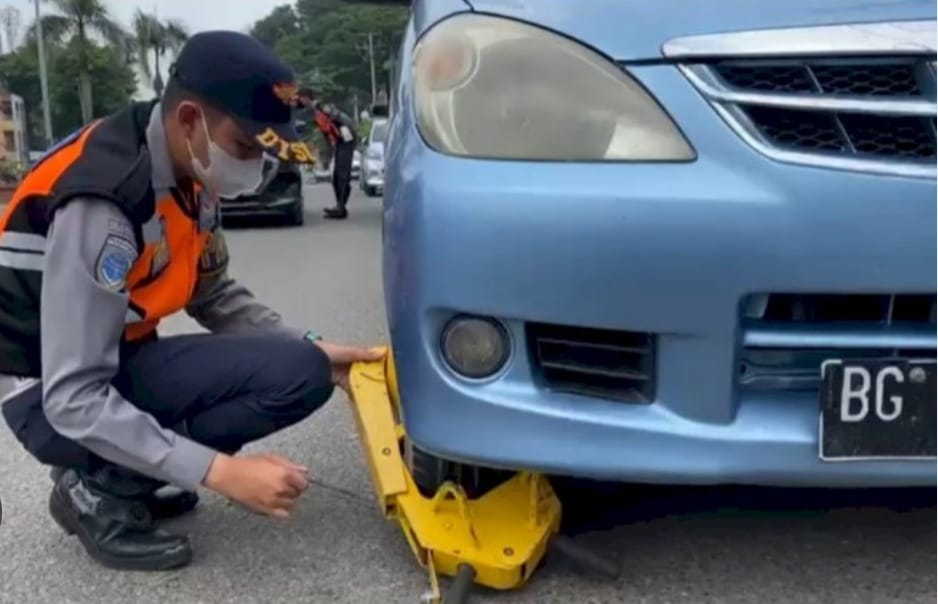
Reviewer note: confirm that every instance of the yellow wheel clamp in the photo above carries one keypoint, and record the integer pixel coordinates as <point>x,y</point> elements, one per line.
<point>496,540</point>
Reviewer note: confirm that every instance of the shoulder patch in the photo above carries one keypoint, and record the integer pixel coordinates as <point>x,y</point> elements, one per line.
<point>115,260</point>
<point>121,226</point>
<point>209,212</point>
<point>214,258</point>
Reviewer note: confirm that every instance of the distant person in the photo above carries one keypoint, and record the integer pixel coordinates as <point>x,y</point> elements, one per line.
<point>115,229</point>
<point>339,130</point>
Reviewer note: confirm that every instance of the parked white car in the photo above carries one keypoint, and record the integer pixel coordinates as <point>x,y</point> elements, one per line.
<point>372,174</point>
<point>324,173</point>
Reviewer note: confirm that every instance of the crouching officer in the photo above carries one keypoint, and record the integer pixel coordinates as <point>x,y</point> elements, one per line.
<point>339,130</point>
<point>115,229</point>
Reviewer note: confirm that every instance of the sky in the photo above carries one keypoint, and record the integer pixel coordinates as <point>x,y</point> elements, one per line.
<point>197,15</point>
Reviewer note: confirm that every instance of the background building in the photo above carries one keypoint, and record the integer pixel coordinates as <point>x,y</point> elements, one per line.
<point>13,140</point>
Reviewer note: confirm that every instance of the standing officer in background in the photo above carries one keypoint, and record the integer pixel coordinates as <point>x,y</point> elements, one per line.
<point>115,229</point>
<point>339,130</point>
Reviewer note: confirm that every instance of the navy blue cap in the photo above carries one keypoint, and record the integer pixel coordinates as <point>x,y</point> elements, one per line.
<point>237,74</point>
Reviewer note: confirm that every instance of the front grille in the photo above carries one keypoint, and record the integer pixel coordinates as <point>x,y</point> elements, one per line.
<point>803,130</point>
<point>874,114</point>
<point>869,135</point>
<point>616,365</point>
<point>860,78</point>
<point>780,78</point>
<point>285,182</point>
<point>876,309</point>
<point>890,136</point>
<point>786,337</point>
<point>898,79</point>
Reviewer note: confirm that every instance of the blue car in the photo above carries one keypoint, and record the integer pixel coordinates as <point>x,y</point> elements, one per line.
<point>686,242</point>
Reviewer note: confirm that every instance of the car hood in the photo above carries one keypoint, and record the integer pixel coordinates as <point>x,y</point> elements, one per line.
<point>636,29</point>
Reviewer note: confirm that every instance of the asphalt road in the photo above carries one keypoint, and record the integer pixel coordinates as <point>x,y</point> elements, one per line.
<point>675,545</point>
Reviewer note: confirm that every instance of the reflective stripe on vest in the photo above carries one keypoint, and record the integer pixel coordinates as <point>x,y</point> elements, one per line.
<point>23,251</point>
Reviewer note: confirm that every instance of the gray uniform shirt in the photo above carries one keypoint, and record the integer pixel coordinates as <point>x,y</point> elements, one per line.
<point>82,321</point>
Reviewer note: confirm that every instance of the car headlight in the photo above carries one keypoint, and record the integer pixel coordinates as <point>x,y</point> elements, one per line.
<point>489,87</point>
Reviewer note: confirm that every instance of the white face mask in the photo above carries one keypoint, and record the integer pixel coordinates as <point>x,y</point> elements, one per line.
<point>227,176</point>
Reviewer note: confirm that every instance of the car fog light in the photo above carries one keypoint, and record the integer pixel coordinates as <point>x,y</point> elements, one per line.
<point>475,347</point>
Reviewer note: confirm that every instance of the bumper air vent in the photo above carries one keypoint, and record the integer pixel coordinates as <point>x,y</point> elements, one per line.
<point>597,363</point>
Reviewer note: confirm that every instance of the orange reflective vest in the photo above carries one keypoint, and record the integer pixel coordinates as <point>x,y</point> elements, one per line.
<point>106,159</point>
<point>328,127</point>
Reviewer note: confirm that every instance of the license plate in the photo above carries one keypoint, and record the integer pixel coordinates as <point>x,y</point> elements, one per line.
<point>877,409</point>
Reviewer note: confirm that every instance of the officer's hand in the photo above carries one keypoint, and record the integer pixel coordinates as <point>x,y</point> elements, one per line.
<point>342,357</point>
<point>267,484</point>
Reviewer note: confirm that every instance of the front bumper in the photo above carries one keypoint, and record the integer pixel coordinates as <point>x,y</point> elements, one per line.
<point>373,175</point>
<point>671,250</point>
<point>260,205</point>
<point>375,181</point>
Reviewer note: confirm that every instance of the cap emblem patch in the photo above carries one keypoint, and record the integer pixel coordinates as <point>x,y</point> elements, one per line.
<point>286,92</point>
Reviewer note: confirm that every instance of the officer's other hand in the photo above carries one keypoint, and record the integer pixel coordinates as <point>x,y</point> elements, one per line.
<point>342,357</point>
<point>267,484</point>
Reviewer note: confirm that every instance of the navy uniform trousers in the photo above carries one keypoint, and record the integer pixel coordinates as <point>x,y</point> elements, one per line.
<point>223,391</point>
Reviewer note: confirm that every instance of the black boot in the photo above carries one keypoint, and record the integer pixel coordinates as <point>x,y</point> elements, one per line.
<point>165,502</point>
<point>117,532</point>
<point>336,213</point>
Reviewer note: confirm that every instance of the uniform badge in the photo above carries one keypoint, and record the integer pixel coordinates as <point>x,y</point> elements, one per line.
<point>209,212</point>
<point>115,260</point>
<point>160,251</point>
<point>215,254</point>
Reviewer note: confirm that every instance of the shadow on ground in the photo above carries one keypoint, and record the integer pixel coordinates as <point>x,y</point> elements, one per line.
<point>259,221</point>
<point>734,544</point>
<point>596,506</point>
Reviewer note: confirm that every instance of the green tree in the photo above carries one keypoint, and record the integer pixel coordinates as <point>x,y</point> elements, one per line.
<point>280,23</point>
<point>76,24</point>
<point>329,46</point>
<point>157,37</point>
<point>113,80</point>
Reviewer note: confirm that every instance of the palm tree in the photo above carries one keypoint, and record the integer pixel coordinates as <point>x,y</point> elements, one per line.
<point>151,34</point>
<point>82,19</point>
